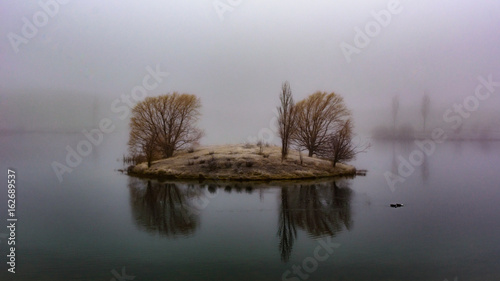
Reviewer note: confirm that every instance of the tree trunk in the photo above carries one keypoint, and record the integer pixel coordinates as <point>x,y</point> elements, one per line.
<point>284,150</point>
<point>149,157</point>
<point>168,151</point>
<point>310,153</point>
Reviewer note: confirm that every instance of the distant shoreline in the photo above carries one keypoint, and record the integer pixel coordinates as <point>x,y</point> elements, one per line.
<point>240,162</point>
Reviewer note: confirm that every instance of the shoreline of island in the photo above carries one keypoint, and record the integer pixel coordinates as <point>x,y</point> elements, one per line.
<point>240,162</point>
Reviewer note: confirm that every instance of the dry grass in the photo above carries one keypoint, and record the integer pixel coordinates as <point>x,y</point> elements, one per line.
<point>241,162</point>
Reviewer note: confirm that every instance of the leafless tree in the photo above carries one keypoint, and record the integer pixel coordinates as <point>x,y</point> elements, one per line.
<point>177,115</point>
<point>318,116</point>
<point>144,131</point>
<point>164,124</point>
<point>340,146</point>
<point>426,104</point>
<point>286,118</point>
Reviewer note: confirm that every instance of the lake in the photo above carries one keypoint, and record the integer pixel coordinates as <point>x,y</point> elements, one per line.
<point>99,224</point>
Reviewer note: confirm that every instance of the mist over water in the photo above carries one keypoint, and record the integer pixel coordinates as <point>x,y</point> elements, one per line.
<point>89,54</point>
<point>71,72</point>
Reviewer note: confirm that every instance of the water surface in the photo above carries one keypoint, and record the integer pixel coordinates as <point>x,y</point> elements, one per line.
<point>98,222</point>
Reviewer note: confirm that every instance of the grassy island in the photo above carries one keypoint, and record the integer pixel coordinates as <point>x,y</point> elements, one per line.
<point>240,162</point>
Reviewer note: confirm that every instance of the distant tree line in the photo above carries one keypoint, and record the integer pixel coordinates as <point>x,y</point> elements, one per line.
<point>406,130</point>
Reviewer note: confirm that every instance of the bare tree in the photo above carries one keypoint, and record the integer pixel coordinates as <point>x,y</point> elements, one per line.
<point>340,146</point>
<point>395,110</point>
<point>318,116</point>
<point>164,124</point>
<point>143,130</point>
<point>286,118</point>
<point>177,115</point>
<point>426,104</point>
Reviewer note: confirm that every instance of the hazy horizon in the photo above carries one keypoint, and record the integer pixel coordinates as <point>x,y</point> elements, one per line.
<point>237,62</point>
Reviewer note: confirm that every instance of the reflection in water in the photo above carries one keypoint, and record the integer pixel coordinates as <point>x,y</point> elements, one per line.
<point>163,208</point>
<point>425,169</point>
<point>404,150</point>
<point>286,229</point>
<point>394,166</point>
<point>169,209</point>
<point>320,209</point>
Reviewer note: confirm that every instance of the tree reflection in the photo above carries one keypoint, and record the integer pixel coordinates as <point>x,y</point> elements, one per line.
<point>286,229</point>
<point>163,208</point>
<point>320,209</point>
<point>171,209</point>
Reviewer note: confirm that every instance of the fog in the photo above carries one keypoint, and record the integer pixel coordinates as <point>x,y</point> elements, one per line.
<point>76,63</point>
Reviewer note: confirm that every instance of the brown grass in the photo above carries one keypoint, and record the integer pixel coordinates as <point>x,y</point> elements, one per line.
<point>241,162</point>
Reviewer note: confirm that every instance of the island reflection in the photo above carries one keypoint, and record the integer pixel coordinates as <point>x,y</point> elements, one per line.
<point>321,209</point>
<point>165,209</point>
<point>172,209</point>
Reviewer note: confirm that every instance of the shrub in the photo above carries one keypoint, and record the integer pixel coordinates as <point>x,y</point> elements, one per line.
<point>190,162</point>
<point>228,164</point>
<point>130,169</point>
<point>211,153</point>
<point>190,149</point>
<point>265,155</point>
<point>202,161</point>
<point>249,164</point>
<point>260,144</point>
<point>134,159</point>
<point>212,164</point>
<point>248,145</point>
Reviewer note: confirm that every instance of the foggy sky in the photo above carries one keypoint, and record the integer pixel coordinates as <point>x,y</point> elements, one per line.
<point>236,65</point>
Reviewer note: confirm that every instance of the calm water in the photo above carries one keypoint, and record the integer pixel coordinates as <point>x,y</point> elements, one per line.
<point>98,223</point>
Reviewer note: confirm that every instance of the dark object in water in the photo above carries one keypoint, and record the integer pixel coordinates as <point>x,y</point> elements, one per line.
<point>397,205</point>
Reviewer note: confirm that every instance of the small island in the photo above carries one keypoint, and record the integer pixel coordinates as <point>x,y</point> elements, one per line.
<point>240,162</point>
<point>164,141</point>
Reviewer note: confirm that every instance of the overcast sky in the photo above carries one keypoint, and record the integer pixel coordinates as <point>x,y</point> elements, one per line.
<point>236,58</point>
